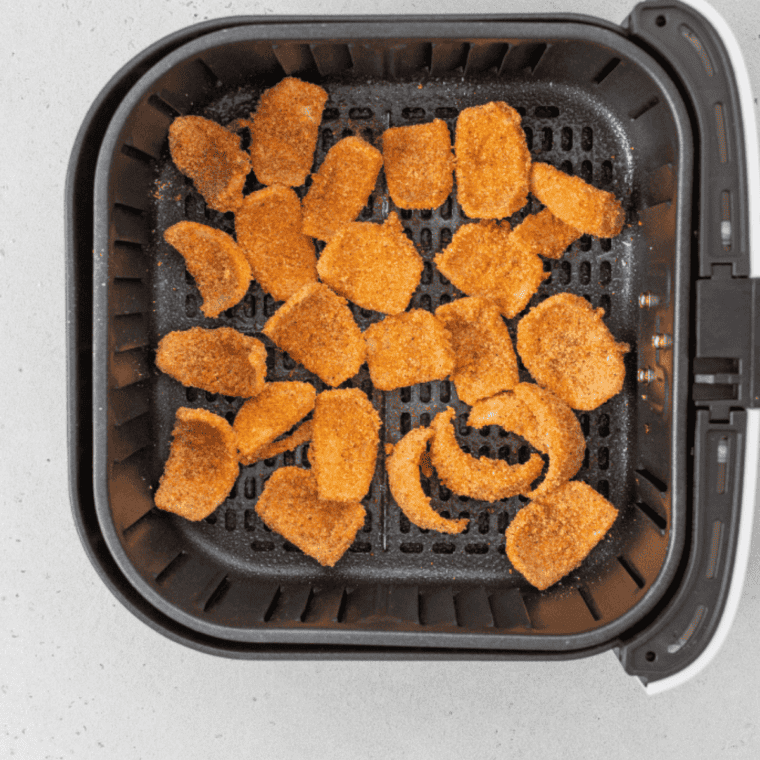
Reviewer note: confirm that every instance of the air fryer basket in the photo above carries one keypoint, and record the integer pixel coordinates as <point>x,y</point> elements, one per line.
<point>593,103</point>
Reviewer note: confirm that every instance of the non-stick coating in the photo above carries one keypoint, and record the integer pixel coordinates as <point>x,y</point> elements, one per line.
<point>567,127</point>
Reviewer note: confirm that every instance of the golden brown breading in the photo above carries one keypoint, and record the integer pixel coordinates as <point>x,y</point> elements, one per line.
<point>568,349</point>
<point>284,132</point>
<point>222,360</point>
<point>577,203</point>
<point>544,234</point>
<point>216,262</point>
<point>419,164</point>
<point>484,478</point>
<point>492,161</point>
<point>545,421</point>
<point>560,434</point>
<point>322,529</point>
<point>341,187</point>
<point>485,358</point>
<point>202,466</point>
<point>409,348</point>
<point>344,444</point>
<point>375,266</point>
<point>316,328</point>
<point>211,157</point>
<point>403,467</point>
<point>270,414</point>
<point>481,260</point>
<point>510,413</point>
<point>300,435</point>
<point>268,227</point>
<point>549,538</point>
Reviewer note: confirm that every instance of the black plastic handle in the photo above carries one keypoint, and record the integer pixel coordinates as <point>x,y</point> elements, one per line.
<point>726,367</point>
<point>678,634</point>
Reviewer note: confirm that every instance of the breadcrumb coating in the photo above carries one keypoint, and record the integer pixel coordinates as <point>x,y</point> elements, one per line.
<point>212,158</point>
<point>284,132</point>
<point>577,203</point>
<point>544,234</point>
<point>202,466</point>
<point>492,161</point>
<point>485,358</point>
<point>322,529</point>
<point>550,537</point>
<point>344,444</point>
<point>316,327</point>
<point>486,479</point>
<point>568,349</point>
<point>419,164</point>
<point>222,360</point>
<point>409,348</point>
<point>268,228</point>
<point>271,413</point>
<point>216,262</point>
<point>482,260</point>
<point>375,266</point>
<point>403,466</point>
<point>341,187</point>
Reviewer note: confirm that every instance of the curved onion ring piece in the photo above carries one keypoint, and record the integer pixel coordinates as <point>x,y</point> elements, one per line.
<point>403,467</point>
<point>484,478</point>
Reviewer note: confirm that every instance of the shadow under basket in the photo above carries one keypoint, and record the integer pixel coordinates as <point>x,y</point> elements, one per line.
<point>596,102</point>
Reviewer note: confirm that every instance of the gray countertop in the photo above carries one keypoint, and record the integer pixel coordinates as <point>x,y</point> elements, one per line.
<point>81,677</point>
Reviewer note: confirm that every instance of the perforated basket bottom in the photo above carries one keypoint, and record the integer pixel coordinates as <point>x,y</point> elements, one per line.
<point>566,127</point>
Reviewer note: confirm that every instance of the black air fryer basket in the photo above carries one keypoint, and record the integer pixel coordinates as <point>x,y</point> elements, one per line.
<point>650,110</point>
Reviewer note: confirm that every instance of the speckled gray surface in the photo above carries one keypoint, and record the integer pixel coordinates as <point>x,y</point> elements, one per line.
<point>81,677</point>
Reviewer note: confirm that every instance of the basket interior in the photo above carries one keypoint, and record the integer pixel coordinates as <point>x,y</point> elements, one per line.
<point>587,109</point>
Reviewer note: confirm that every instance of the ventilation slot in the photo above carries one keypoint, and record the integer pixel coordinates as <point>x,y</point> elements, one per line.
<point>360,113</point>
<point>163,107</point>
<point>606,71</point>
<point>210,74</point>
<point>331,58</point>
<point>137,154</point>
<point>547,140</point>
<point>534,58</point>
<point>648,106</point>
<point>725,224</point>
<point>659,521</point>
<point>720,124</point>
<point>272,606</point>
<point>606,178</point>
<point>172,567</point>
<point>546,112</point>
<point>689,632</point>
<point>632,571</point>
<point>590,603</point>
<point>413,114</point>
<point>486,56</point>
<point>218,594</point>
<point>699,48</point>
<point>715,550</point>
<point>587,138</point>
